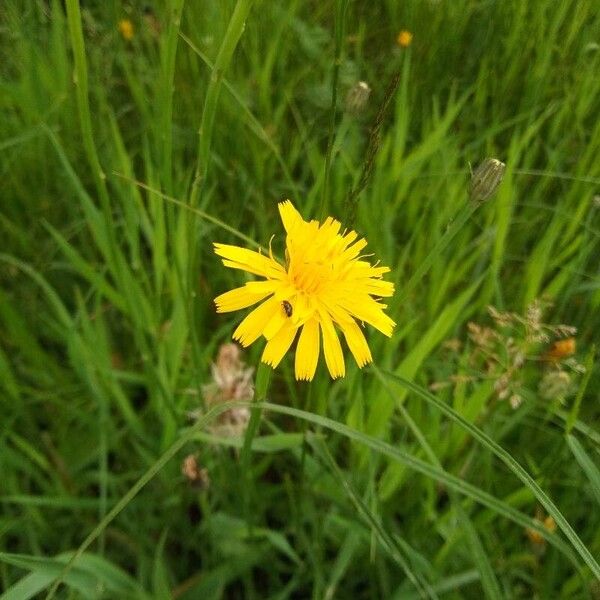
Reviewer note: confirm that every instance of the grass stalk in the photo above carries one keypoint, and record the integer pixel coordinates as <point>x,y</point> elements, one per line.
<point>341,7</point>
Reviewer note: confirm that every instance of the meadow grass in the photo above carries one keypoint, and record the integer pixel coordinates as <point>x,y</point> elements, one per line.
<point>412,478</point>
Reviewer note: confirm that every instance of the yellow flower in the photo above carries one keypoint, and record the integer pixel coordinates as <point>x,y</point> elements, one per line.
<point>534,536</point>
<point>562,349</point>
<point>404,38</point>
<point>324,286</point>
<point>125,26</point>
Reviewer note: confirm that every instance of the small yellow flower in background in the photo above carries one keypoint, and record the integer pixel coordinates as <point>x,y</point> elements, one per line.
<point>534,536</point>
<point>324,286</point>
<point>404,38</point>
<point>550,524</point>
<point>562,349</point>
<point>125,27</point>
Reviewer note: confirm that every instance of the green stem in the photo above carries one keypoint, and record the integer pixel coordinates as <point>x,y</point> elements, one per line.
<point>384,448</point>
<point>340,20</point>
<point>309,403</point>
<point>83,106</point>
<point>202,422</point>
<point>509,461</point>
<point>589,367</point>
<point>166,94</point>
<point>230,41</point>
<point>491,584</point>
<point>228,45</point>
<point>463,216</point>
<point>263,378</point>
<point>351,204</point>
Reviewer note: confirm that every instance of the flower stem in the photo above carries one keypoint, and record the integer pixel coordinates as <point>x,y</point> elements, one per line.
<point>308,407</point>
<point>457,224</point>
<point>263,378</point>
<point>340,22</point>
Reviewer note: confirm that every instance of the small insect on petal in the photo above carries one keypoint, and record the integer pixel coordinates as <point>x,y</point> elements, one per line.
<point>287,307</point>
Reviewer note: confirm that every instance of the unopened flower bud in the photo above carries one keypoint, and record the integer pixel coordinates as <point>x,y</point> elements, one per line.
<point>357,97</point>
<point>486,178</point>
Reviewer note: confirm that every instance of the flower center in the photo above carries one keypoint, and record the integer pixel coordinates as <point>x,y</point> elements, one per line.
<point>309,277</point>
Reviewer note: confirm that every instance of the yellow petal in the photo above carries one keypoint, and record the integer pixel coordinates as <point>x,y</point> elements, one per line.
<point>334,357</point>
<point>303,309</point>
<point>329,230</point>
<point>354,250</point>
<point>338,314</point>
<point>348,237</point>
<point>277,346</point>
<point>376,287</point>
<point>250,329</point>
<point>248,260</point>
<point>357,343</point>
<point>244,296</point>
<point>290,217</point>
<point>285,291</point>
<point>276,322</point>
<point>364,308</point>
<point>307,352</point>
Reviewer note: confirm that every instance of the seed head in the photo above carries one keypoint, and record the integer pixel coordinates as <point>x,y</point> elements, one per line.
<point>232,380</point>
<point>485,179</point>
<point>196,475</point>
<point>515,401</point>
<point>556,385</point>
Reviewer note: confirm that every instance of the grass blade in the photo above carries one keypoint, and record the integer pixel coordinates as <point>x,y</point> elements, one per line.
<point>511,463</point>
<point>586,463</point>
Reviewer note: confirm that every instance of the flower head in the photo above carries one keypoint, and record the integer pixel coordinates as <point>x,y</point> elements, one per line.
<point>325,285</point>
<point>535,536</point>
<point>562,349</point>
<point>125,27</point>
<point>404,38</point>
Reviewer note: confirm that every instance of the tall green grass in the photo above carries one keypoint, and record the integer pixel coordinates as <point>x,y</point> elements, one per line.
<point>122,161</point>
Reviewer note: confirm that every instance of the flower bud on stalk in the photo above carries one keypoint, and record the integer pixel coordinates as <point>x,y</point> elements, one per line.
<point>485,179</point>
<point>357,98</point>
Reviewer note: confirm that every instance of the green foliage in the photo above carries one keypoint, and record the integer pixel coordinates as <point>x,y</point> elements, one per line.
<point>123,160</point>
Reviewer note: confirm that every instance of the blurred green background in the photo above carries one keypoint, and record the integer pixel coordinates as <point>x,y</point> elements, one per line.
<point>109,203</point>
